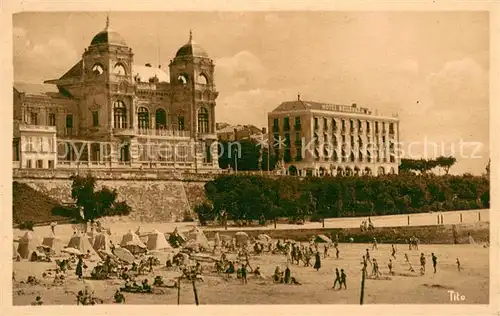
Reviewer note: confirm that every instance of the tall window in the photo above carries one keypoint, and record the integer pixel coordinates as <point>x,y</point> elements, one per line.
<point>286,123</point>
<point>69,121</point>
<point>95,118</point>
<point>180,121</point>
<point>325,123</point>
<point>161,118</point>
<point>120,114</point>
<point>202,120</point>
<point>143,117</point>
<point>34,118</point>
<point>52,119</point>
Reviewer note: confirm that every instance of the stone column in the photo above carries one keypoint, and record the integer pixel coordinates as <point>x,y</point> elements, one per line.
<point>88,152</point>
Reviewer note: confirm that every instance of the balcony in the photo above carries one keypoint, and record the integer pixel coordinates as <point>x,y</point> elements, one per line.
<point>124,132</point>
<point>34,128</point>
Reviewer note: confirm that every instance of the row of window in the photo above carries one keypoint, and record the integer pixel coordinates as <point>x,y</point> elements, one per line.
<point>39,164</point>
<point>298,140</point>
<point>352,123</point>
<point>287,157</point>
<point>33,119</point>
<point>39,144</point>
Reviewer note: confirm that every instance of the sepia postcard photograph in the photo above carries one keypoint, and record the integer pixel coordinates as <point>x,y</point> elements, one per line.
<point>250,158</point>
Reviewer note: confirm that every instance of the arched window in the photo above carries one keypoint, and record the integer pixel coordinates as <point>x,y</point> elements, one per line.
<point>161,118</point>
<point>202,120</point>
<point>119,114</point>
<point>381,171</point>
<point>368,171</point>
<point>119,69</point>
<point>97,70</point>
<point>143,117</point>
<point>202,79</point>
<point>182,79</point>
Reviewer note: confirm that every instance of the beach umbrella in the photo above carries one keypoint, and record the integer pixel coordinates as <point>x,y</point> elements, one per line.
<point>72,251</point>
<point>124,255</point>
<point>264,238</point>
<point>323,238</point>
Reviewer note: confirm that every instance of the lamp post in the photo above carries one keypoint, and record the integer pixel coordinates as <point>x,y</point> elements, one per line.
<point>236,160</point>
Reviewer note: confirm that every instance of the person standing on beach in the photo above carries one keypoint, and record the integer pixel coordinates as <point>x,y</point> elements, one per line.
<point>337,279</point>
<point>337,251</point>
<point>458,265</point>
<point>393,252</point>
<point>343,279</point>
<point>374,243</point>
<point>79,268</point>
<point>422,263</point>
<point>390,267</point>
<point>53,227</point>
<point>367,256</point>
<point>317,263</point>
<point>434,261</point>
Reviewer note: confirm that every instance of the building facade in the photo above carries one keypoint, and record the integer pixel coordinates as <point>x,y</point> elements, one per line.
<point>317,139</point>
<point>107,112</point>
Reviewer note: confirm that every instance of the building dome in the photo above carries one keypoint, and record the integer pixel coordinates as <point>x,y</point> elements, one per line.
<point>191,49</point>
<point>108,36</point>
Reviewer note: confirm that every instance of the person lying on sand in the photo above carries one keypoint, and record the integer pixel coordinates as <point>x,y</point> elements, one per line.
<point>119,297</point>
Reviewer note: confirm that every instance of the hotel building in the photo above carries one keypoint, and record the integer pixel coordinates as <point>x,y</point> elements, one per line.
<point>317,139</point>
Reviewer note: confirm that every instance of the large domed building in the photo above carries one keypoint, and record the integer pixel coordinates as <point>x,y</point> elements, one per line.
<point>108,112</point>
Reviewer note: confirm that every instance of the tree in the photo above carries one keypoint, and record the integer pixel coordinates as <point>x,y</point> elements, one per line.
<point>446,163</point>
<point>205,212</point>
<point>95,204</point>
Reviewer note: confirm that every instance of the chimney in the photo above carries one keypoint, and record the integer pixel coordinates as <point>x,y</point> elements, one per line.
<point>235,134</point>
<point>264,130</point>
<point>159,66</point>
<point>298,97</point>
<point>148,65</point>
<point>354,105</point>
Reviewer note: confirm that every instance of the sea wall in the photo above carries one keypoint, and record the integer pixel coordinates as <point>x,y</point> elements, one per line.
<point>153,196</point>
<point>431,234</point>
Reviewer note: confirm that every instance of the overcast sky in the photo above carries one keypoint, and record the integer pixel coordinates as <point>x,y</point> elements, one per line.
<point>430,67</point>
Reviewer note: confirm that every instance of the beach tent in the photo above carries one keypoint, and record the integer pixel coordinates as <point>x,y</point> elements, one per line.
<point>102,242</point>
<point>82,243</point>
<point>157,241</point>
<point>27,244</point>
<point>53,244</point>
<point>133,243</point>
<point>196,236</point>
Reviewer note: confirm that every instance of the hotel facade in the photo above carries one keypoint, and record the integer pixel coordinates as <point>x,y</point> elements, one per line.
<point>319,139</point>
<point>107,112</point>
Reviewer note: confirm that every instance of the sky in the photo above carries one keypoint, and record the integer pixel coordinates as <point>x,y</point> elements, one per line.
<point>432,68</point>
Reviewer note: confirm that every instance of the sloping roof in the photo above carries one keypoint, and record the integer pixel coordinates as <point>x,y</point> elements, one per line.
<point>75,71</point>
<point>145,73</point>
<point>36,89</point>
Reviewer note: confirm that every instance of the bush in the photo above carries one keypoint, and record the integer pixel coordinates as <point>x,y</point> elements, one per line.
<point>28,225</point>
<point>205,213</point>
<point>244,197</point>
